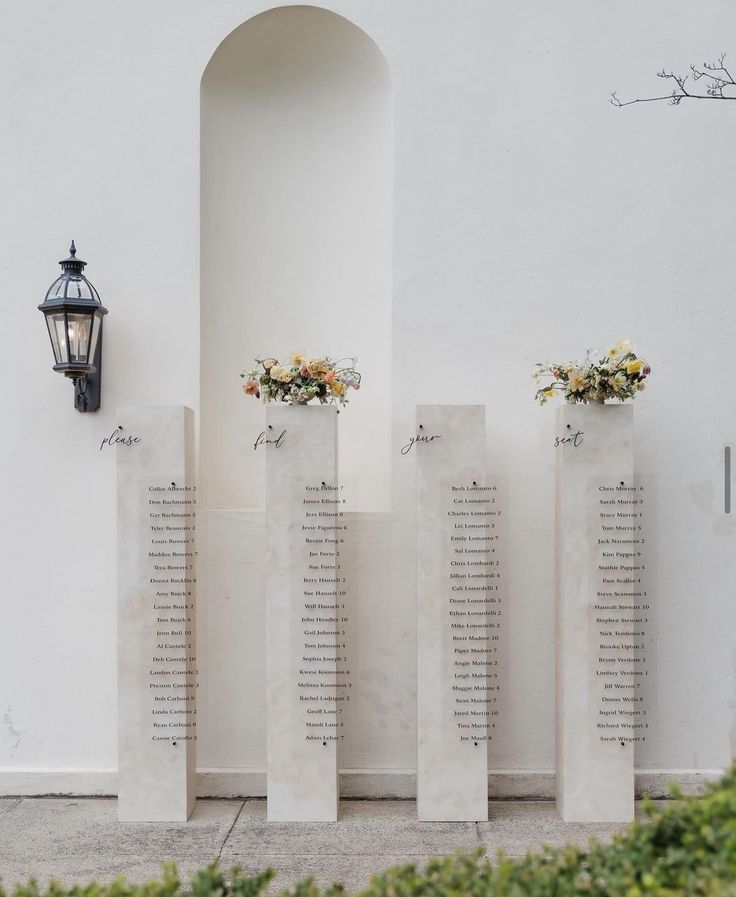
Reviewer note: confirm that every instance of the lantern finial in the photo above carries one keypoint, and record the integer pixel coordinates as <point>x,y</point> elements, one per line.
<point>72,263</point>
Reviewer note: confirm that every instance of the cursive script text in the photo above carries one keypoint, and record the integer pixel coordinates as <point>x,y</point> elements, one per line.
<point>117,438</point>
<point>413,440</point>
<point>262,440</point>
<point>574,439</point>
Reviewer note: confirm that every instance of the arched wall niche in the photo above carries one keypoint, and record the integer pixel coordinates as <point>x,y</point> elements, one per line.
<point>296,210</point>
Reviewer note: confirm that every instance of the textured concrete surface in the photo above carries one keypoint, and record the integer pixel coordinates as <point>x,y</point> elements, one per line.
<point>77,840</point>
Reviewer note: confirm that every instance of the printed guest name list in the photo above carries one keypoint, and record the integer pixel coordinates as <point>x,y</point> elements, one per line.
<point>474,609</point>
<point>172,583</point>
<point>620,613</point>
<point>323,683</point>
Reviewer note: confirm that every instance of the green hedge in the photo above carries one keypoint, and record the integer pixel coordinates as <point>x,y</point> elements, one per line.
<point>685,848</point>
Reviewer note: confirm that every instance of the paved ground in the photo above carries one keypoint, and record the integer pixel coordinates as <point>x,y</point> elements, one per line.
<point>77,840</point>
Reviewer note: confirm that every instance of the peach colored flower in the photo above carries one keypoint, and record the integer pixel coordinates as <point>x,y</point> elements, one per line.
<point>251,388</point>
<point>329,377</point>
<point>318,367</point>
<point>268,363</point>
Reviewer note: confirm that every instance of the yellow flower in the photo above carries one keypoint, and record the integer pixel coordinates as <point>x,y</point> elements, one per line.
<point>549,392</point>
<point>318,367</point>
<point>615,352</point>
<point>297,358</point>
<point>634,366</point>
<point>282,374</point>
<point>618,381</point>
<point>338,387</point>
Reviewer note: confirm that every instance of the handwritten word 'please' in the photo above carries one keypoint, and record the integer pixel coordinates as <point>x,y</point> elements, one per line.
<point>574,439</point>
<point>413,440</point>
<point>117,438</point>
<point>276,443</point>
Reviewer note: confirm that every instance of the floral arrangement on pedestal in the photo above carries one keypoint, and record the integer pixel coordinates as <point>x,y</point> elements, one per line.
<point>301,379</point>
<point>618,374</point>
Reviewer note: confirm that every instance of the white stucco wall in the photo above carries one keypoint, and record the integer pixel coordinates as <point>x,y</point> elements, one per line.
<point>296,205</point>
<point>530,219</point>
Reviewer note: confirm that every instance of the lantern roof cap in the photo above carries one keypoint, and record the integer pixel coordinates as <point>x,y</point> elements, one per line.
<point>71,288</point>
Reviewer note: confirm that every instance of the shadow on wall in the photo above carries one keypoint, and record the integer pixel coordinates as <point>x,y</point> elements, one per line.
<point>296,206</point>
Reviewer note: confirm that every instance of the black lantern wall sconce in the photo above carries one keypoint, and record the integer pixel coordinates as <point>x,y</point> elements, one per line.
<point>74,314</point>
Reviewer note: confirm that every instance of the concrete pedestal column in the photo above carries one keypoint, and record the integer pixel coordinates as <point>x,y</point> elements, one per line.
<point>304,699</point>
<point>595,754</point>
<point>455,528</point>
<point>156,508</point>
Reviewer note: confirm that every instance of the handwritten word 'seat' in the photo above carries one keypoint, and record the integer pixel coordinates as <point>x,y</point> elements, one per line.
<point>574,439</point>
<point>117,438</point>
<point>413,440</point>
<point>262,440</point>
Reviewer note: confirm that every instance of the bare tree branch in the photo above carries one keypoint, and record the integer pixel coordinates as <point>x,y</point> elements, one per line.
<point>719,67</point>
<point>719,83</point>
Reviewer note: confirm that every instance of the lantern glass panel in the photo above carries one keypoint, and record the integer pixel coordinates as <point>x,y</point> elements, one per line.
<point>74,288</point>
<point>79,330</point>
<point>57,329</point>
<point>96,321</point>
